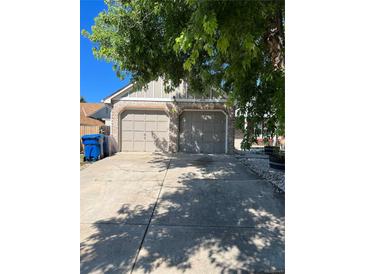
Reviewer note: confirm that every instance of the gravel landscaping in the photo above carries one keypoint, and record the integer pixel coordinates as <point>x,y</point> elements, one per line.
<point>258,162</point>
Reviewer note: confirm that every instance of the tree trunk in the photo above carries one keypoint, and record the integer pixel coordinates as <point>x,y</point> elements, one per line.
<point>276,41</point>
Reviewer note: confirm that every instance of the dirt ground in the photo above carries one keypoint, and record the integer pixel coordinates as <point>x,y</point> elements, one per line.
<point>82,163</point>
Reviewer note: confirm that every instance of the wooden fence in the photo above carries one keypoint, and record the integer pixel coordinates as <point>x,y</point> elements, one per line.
<point>94,130</point>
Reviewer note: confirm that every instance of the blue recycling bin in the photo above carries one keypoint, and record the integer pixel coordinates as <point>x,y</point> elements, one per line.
<point>93,146</point>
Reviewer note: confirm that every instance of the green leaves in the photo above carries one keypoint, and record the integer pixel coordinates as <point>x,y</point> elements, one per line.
<point>183,42</point>
<point>248,42</point>
<point>209,49</point>
<point>210,24</point>
<point>223,44</point>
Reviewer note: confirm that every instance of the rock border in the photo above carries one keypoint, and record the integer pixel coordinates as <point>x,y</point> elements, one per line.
<point>258,162</point>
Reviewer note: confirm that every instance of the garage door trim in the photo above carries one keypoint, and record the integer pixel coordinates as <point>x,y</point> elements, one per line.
<point>212,110</point>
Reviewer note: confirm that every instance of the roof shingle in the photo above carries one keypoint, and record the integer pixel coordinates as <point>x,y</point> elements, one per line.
<point>87,109</point>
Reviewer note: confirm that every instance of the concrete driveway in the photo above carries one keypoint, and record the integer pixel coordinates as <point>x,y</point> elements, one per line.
<point>143,213</point>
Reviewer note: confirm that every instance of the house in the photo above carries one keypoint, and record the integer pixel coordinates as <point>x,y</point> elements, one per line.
<point>151,120</point>
<point>94,114</point>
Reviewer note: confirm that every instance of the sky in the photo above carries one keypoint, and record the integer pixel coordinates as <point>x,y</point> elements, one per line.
<point>97,79</point>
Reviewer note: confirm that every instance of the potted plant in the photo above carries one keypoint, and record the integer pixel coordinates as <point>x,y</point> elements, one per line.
<point>277,160</point>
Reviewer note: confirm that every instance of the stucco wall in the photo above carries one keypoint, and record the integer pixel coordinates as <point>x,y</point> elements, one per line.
<point>173,110</point>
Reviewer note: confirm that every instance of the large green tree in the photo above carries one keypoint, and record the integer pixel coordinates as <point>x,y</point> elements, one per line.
<point>233,47</point>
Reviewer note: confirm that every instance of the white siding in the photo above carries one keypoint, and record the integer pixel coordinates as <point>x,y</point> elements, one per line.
<point>155,90</point>
<point>107,122</point>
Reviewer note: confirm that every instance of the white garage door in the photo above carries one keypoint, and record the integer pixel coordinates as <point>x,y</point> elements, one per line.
<point>144,131</point>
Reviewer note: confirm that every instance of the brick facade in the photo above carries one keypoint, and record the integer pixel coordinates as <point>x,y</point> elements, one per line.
<point>173,110</point>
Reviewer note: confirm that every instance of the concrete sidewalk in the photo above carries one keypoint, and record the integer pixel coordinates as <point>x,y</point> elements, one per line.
<point>143,213</point>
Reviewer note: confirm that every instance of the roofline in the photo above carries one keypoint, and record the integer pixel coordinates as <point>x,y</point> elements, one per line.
<point>83,110</point>
<point>108,99</point>
<point>104,106</point>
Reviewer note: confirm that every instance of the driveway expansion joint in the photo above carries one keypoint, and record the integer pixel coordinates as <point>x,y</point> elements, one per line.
<point>150,220</point>
<point>113,223</point>
<point>206,226</point>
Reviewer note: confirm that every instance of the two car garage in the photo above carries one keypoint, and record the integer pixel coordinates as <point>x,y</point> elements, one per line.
<point>148,131</point>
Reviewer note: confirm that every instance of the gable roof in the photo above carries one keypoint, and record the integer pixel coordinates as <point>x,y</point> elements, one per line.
<point>86,109</point>
<point>119,91</point>
<point>101,113</point>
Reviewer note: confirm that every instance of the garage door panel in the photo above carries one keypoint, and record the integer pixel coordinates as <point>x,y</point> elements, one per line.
<point>196,132</point>
<point>139,125</point>
<point>219,126</point>
<point>162,118</point>
<point>217,138</point>
<point>162,126</point>
<point>139,146</point>
<point>207,118</point>
<point>208,127</point>
<point>199,126</point>
<point>127,125</point>
<point>185,136</point>
<point>183,128</point>
<point>127,135</point>
<point>208,138</point>
<point>138,136</point>
<point>196,118</point>
<point>183,120</point>
<point>197,147</point>
<point>151,136</point>
<point>153,146</point>
<point>151,125</point>
<point>127,146</point>
<point>139,116</point>
<point>151,117</point>
<point>161,136</point>
<point>219,149</point>
<point>154,135</point>
<point>207,148</point>
<point>150,146</point>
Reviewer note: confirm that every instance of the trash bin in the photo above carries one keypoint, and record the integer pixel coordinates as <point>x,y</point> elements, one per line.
<point>93,147</point>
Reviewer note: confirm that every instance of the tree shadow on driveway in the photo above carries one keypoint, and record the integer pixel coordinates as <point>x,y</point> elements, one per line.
<point>203,222</point>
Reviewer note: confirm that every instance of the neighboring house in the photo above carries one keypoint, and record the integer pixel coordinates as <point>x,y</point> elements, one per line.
<point>94,114</point>
<point>151,120</point>
<point>103,114</point>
